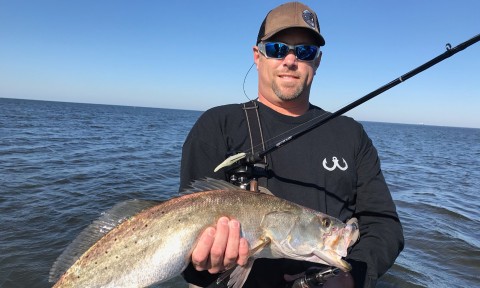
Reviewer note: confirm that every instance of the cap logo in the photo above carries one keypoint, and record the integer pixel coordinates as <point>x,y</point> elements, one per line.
<point>308,18</point>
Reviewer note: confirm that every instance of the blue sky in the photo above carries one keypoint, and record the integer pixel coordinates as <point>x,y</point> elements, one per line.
<point>195,54</point>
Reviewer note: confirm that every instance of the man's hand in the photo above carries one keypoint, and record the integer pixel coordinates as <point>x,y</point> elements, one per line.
<point>220,248</point>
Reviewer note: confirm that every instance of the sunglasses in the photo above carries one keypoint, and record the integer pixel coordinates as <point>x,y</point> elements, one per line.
<point>279,50</point>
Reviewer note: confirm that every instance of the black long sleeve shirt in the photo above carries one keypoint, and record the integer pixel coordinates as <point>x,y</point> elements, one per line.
<point>334,169</point>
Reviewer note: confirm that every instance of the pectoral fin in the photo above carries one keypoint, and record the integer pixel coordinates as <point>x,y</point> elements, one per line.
<point>239,274</point>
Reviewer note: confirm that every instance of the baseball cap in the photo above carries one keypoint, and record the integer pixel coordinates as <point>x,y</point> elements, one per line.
<point>290,15</point>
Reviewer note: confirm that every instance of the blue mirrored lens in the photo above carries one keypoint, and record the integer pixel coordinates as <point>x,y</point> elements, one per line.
<point>306,52</point>
<point>280,50</point>
<point>276,50</point>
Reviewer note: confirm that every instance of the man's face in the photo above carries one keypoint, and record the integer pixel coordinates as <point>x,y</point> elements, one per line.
<point>286,81</point>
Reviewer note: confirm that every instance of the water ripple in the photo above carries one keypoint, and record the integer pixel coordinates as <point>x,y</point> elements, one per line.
<point>62,164</point>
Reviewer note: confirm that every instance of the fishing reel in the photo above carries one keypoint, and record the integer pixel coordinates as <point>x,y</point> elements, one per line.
<point>314,278</point>
<point>241,176</point>
<point>245,174</point>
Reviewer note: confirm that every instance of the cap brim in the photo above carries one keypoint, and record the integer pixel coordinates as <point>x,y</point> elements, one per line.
<point>319,39</point>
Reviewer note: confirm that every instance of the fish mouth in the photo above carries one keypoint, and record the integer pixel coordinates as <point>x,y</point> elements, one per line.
<point>333,259</point>
<point>343,265</point>
<point>338,243</point>
<point>339,240</point>
<point>353,231</point>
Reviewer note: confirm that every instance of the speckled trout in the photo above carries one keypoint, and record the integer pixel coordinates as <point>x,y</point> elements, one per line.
<point>141,243</point>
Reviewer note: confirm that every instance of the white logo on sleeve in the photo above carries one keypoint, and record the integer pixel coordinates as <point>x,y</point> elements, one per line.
<point>335,164</point>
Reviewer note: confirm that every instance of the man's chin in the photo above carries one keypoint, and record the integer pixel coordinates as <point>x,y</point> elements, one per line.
<point>287,96</point>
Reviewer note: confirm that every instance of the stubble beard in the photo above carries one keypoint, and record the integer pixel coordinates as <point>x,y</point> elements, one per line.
<point>287,96</point>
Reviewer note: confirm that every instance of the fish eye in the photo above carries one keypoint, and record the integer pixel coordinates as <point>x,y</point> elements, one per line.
<point>326,222</point>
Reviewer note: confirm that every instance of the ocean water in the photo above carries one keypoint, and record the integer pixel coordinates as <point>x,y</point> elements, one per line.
<point>62,164</point>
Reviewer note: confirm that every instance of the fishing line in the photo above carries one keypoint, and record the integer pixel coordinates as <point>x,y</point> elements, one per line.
<point>245,79</point>
<point>448,53</point>
<point>283,133</point>
<point>324,118</point>
<point>325,114</point>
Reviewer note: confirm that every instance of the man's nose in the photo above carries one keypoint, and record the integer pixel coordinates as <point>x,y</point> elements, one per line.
<point>290,59</point>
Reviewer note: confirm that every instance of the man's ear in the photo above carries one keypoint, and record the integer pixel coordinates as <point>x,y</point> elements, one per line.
<point>256,55</point>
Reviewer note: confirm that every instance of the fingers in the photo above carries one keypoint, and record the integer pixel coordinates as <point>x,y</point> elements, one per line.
<point>231,252</point>
<point>243,252</point>
<point>220,248</point>
<point>200,255</point>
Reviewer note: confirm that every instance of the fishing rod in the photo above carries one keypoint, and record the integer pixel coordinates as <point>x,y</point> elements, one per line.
<point>255,157</point>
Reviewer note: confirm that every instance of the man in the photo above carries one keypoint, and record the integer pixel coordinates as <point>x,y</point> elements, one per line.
<point>334,168</point>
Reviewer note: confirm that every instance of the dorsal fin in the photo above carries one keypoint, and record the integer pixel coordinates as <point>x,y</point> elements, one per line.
<point>95,231</point>
<point>216,184</point>
<point>210,184</point>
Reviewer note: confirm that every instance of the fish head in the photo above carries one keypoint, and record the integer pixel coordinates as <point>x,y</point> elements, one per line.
<point>316,237</point>
<point>334,243</point>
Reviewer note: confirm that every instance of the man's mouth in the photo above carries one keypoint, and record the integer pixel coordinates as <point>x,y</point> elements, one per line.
<point>288,76</point>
